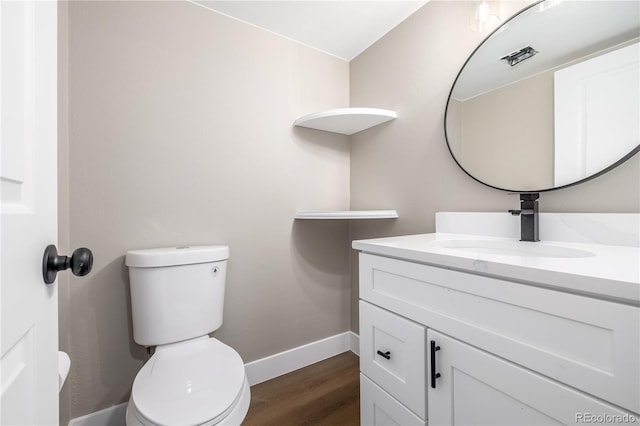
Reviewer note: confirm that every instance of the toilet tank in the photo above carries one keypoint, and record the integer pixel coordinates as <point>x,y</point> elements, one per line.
<point>177,293</point>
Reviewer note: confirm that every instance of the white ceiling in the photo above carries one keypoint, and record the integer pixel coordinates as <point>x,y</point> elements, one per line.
<point>562,33</point>
<point>342,28</point>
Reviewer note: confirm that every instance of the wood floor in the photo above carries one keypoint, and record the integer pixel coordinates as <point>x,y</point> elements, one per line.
<point>325,394</point>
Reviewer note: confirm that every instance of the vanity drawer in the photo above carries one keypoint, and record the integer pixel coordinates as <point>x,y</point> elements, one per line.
<point>590,344</point>
<point>378,408</point>
<point>392,354</point>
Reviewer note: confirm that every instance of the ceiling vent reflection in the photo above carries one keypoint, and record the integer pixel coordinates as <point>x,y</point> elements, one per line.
<point>514,58</point>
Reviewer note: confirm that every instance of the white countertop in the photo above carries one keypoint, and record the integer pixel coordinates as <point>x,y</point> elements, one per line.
<point>612,272</point>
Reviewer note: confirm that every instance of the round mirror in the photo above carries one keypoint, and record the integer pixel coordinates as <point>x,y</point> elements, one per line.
<point>551,98</point>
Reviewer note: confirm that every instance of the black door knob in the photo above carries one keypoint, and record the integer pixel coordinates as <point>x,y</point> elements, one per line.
<point>80,263</point>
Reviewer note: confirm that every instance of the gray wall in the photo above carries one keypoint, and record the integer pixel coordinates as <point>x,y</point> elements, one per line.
<point>63,196</point>
<point>525,137</point>
<point>406,165</point>
<point>180,134</point>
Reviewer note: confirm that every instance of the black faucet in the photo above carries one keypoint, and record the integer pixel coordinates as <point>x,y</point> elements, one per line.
<point>528,216</point>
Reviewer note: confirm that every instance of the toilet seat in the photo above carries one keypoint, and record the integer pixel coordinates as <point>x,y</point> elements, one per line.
<point>189,383</point>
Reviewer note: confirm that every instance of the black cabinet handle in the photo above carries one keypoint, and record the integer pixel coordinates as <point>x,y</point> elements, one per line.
<point>434,375</point>
<point>386,355</point>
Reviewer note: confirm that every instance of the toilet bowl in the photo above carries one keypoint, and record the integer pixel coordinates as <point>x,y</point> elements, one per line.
<point>191,379</point>
<point>199,382</point>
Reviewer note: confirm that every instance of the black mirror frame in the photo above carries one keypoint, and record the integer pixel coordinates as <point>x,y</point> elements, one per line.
<point>588,178</point>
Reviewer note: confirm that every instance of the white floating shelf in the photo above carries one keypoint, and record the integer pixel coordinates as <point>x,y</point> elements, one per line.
<point>346,121</point>
<point>349,214</point>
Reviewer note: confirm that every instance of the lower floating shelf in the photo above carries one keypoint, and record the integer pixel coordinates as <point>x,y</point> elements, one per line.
<point>349,214</point>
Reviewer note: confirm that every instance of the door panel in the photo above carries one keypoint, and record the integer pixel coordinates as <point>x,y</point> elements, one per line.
<point>596,107</point>
<point>28,194</point>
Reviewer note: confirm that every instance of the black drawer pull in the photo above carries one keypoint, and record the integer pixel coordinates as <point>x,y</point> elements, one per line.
<point>386,355</point>
<point>434,375</point>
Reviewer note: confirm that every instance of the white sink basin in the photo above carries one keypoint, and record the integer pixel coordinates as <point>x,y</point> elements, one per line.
<point>513,248</point>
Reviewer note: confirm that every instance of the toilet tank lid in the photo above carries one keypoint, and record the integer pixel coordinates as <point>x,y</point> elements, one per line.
<point>171,256</point>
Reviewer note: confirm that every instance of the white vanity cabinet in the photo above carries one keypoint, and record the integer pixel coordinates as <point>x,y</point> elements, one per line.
<point>507,352</point>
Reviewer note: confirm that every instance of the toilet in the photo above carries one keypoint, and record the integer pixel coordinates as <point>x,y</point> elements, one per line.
<point>177,298</point>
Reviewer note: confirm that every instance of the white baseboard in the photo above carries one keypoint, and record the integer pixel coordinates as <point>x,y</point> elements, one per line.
<point>112,416</point>
<point>258,371</point>
<point>355,343</point>
<point>285,362</point>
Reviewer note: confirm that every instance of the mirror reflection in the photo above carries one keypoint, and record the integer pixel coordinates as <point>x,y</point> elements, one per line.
<point>551,98</point>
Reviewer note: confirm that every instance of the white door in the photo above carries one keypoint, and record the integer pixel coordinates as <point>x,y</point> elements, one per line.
<point>28,193</point>
<point>596,108</point>
<point>475,387</point>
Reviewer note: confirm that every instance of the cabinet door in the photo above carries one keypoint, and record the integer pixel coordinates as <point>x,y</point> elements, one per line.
<point>475,387</point>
